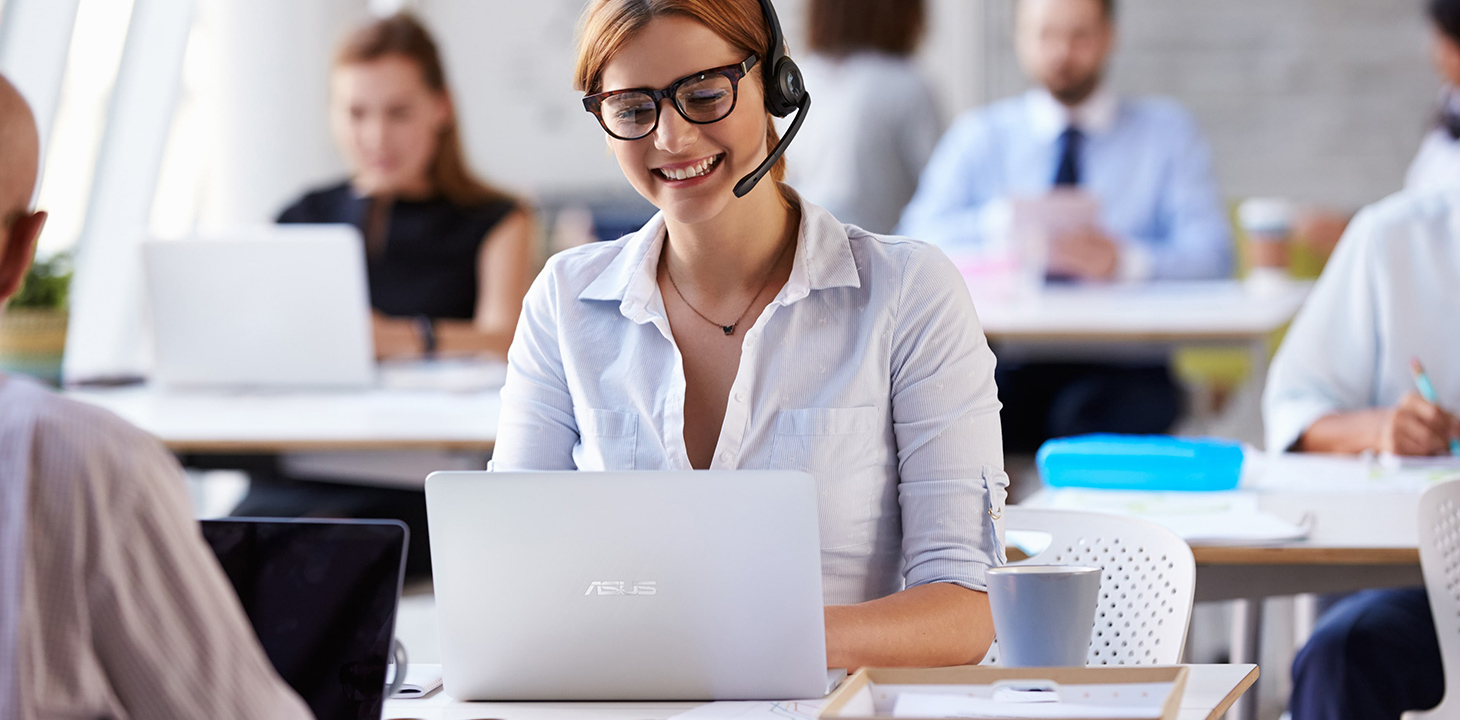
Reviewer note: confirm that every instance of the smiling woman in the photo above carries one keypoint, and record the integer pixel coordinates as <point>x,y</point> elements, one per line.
<point>743,328</point>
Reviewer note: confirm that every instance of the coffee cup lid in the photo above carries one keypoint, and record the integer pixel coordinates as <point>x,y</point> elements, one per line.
<point>1043,570</point>
<point>1265,213</point>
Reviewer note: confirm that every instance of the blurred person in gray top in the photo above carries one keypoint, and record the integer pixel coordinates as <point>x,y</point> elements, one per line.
<point>111,605</point>
<point>862,150</point>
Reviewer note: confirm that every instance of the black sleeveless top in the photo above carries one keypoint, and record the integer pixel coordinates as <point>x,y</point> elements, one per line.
<point>428,264</point>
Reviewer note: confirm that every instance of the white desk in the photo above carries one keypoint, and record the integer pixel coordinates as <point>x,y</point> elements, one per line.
<point>1141,322</point>
<point>1210,690</point>
<point>1363,521</point>
<point>1162,312</point>
<point>219,422</point>
<point>1359,541</point>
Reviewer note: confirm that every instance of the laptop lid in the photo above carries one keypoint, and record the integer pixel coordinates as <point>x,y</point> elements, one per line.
<point>628,586</point>
<point>321,596</point>
<point>283,306</point>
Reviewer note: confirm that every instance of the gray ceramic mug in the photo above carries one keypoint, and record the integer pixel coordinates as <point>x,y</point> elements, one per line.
<point>1043,614</point>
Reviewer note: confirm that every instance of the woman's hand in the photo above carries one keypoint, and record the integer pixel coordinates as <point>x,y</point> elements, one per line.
<point>1417,427</point>
<point>395,338</point>
<point>1413,427</point>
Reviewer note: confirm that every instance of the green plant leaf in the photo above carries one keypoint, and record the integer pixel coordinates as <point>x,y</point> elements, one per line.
<point>47,284</point>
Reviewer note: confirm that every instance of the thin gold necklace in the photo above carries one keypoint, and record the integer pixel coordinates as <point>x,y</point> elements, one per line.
<point>728,329</point>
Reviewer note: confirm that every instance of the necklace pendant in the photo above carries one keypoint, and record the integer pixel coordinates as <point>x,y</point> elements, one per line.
<point>729,329</point>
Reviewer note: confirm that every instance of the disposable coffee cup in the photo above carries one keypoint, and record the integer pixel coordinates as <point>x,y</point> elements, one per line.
<point>1268,225</point>
<point>1043,614</point>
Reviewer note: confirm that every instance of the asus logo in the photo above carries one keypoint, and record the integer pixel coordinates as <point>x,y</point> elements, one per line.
<point>619,587</point>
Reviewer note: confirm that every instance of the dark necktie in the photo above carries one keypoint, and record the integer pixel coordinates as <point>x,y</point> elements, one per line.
<point>1069,167</point>
<point>1450,121</point>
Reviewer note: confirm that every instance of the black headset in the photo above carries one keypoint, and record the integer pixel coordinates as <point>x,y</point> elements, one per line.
<point>785,92</point>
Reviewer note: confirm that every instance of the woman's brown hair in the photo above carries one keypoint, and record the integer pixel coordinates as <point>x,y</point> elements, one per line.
<point>402,35</point>
<point>842,27</point>
<point>608,25</point>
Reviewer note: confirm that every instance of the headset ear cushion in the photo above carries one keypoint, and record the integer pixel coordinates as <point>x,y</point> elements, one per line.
<point>789,88</point>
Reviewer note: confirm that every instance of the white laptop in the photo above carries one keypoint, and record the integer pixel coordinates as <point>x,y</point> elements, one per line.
<point>628,586</point>
<point>283,306</point>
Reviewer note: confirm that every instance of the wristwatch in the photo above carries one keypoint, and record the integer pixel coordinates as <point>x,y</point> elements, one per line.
<point>426,331</point>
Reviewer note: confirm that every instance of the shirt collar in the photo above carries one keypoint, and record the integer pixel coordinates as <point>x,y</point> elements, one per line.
<point>1095,116</point>
<point>823,260</point>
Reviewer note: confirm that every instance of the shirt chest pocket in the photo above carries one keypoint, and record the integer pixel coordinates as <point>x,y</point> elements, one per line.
<point>844,449</point>
<point>607,439</point>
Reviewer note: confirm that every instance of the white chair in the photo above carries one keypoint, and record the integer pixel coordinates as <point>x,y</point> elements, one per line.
<point>1439,559</point>
<point>1146,588</point>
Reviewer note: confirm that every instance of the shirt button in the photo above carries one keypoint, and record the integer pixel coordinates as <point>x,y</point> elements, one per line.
<point>740,396</point>
<point>725,457</point>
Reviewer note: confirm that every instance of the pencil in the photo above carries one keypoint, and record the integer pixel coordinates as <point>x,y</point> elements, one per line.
<point>1427,391</point>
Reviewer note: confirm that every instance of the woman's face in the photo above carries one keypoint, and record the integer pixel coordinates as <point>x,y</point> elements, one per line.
<point>1446,55</point>
<point>667,49</point>
<point>388,122</point>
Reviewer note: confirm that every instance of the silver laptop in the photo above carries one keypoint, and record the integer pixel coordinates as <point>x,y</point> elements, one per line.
<point>628,586</point>
<point>269,307</point>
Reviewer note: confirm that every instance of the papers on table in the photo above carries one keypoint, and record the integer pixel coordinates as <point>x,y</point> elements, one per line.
<point>766,710</point>
<point>1200,518</point>
<point>755,710</point>
<point>1308,473</point>
<point>937,705</point>
<point>1127,701</point>
<point>445,375</point>
<point>422,679</point>
<point>1283,482</point>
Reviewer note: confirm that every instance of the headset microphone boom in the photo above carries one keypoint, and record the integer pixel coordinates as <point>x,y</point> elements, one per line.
<point>785,92</point>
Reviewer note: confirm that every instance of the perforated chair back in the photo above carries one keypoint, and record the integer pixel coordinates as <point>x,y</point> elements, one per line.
<point>1439,558</point>
<point>1146,587</point>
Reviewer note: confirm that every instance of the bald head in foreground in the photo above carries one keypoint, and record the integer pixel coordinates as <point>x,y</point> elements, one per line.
<point>110,603</point>
<point>19,163</point>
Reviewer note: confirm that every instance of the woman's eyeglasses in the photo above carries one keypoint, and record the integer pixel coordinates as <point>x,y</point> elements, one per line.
<point>702,98</point>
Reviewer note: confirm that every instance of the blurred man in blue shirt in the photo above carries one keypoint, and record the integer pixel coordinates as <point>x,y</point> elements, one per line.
<point>1149,172</point>
<point>1143,159</point>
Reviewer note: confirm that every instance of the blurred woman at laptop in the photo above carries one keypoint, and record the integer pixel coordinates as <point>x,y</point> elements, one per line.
<point>448,259</point>
<point>744,327</point>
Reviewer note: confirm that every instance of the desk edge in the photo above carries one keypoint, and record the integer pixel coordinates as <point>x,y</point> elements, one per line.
<point>207,447</point>
<point>1243,686</point>
<point>1304,555</point>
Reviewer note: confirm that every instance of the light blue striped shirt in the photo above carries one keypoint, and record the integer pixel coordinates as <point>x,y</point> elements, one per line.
<point>869,370</point>
<point>1145,161</point>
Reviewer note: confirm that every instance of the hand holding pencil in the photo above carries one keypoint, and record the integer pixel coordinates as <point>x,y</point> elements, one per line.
<point>1418,425</point>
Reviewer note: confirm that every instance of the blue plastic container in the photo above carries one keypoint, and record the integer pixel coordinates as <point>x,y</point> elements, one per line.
<point>1141,462</point>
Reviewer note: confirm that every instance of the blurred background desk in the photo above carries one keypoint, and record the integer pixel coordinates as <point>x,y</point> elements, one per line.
<point>1217,335</point>
<point>223,422</point>
<point>1219,311</point>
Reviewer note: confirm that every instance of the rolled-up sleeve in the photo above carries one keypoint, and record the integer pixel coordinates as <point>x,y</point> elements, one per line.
<point>1327,363</point>
<point>945,412</point>
<point>537,429</point>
